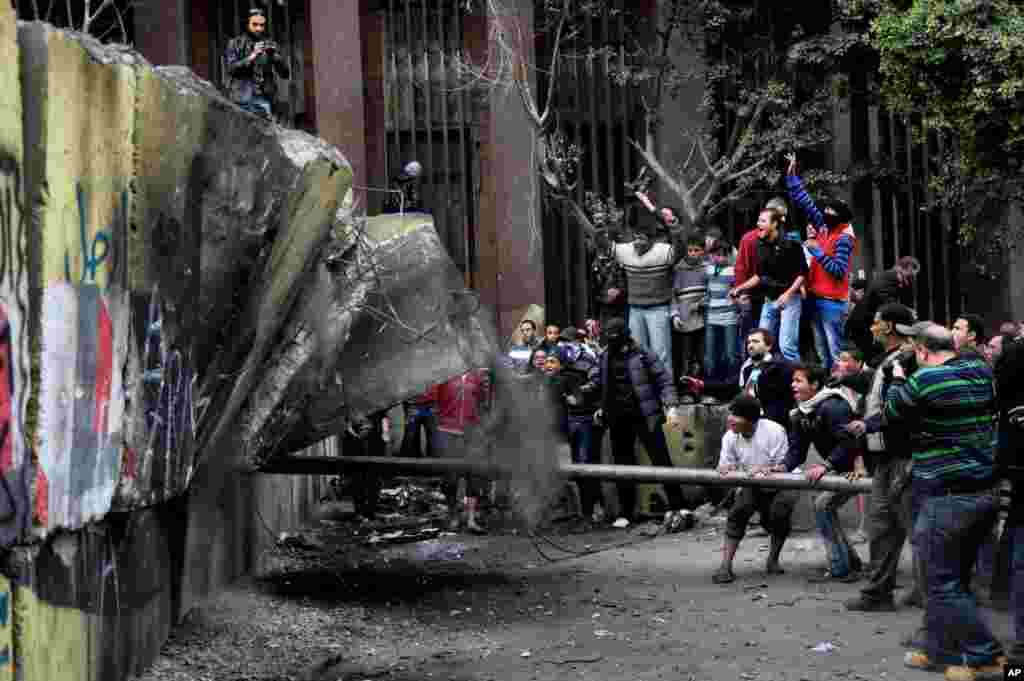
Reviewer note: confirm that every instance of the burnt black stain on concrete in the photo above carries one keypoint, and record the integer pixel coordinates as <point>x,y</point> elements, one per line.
<point>402,583</point>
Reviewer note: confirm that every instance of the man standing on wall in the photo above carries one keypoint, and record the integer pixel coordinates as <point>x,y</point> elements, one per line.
<point>830,242</point>
<point>781,269</point>
<point>253,64</point>
<point>649,270</point>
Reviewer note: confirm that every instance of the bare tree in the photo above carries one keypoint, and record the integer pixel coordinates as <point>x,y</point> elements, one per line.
<point>727,158</point>
<point>86,16</point>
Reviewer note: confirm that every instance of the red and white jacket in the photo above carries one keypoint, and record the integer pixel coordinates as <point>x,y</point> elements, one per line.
<point>461,401</point>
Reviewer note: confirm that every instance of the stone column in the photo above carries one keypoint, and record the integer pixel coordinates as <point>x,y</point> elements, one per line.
<point>511,258</point>
<point>337,44</point>
<point>162,31</point>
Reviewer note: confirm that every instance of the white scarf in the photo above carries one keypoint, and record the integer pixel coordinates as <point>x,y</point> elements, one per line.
<point>810,405</point>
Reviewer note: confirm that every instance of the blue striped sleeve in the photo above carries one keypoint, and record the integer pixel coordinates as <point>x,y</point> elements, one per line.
<point>839,264</point>
<point>804,200</point>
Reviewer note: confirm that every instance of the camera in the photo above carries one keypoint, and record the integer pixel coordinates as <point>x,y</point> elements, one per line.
<point>267,45</point>
<point>907,359</point>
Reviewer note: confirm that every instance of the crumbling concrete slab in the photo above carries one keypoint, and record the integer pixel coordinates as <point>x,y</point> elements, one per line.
<point>387,318</point>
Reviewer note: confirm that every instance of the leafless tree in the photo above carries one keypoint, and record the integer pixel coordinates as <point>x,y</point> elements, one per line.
<point>81,16</point>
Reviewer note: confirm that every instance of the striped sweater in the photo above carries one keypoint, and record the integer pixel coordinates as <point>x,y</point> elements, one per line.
<point>949,411</point>
<point>830,251</point>
<point>648,276</point>
<point>721,309</point>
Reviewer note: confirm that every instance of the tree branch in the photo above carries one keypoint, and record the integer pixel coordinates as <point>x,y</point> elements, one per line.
<point>746,171</point>
<point>676,185</point>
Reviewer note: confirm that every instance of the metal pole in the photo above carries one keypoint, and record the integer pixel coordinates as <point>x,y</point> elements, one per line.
<point>649,474</point>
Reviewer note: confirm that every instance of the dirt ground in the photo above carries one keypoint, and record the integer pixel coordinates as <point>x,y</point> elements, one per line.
<point>510,607</point>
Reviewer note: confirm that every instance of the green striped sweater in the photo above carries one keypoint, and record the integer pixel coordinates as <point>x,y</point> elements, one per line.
<point>949,412</point>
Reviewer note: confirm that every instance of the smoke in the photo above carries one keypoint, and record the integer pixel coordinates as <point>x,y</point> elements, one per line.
<point>520,431</point>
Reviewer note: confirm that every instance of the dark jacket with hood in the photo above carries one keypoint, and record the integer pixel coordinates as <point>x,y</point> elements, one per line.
<point>824,426</point>
<point>650,381</point>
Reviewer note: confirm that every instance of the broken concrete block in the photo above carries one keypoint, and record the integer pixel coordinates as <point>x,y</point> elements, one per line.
<point>387,318</point>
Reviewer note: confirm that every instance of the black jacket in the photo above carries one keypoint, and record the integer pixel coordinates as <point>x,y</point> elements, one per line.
<point>825,428</point>
<point>778,265</point>
<point>774,389</point>
<point>885,288</point>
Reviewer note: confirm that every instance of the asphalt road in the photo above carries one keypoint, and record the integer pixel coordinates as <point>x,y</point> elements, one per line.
<point>635,608</point>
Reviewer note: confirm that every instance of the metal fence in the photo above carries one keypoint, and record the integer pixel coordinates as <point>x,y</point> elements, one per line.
<point>286,25</point>
<point>431,117</point>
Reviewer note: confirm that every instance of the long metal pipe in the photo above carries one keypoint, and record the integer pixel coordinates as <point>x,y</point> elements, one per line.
<point>662,474</point>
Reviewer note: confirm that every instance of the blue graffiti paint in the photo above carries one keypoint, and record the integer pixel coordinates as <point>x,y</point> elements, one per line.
<point>98,251</point>
<point>4,602</point>
<point>5,655</point>
<point>169,405</point>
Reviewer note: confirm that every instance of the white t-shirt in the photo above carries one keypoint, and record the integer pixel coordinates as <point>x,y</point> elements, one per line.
<point>766,447</point>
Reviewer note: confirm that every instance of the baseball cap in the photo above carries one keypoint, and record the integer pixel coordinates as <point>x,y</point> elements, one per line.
<point>900,316</point>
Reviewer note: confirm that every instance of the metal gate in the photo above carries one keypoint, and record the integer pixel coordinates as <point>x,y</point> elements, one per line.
<point>600,118</point>
<point>286,25</point>
<point>430,117</point>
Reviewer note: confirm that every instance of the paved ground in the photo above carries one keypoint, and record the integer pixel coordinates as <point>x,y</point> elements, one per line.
<point>637,608</point>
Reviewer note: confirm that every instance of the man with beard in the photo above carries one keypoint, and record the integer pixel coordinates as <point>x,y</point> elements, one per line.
<point>635,389</point>
<point>820,418</point>
<point>519,354</point>
<point>253,64</point>
<point>892,286</point>
<point>768,376</point>
<point>889,449</point>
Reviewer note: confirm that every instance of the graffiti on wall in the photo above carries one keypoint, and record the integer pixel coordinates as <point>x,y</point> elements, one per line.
<point>81,396</point>
<point>15,377</point>
<point>168,389</point>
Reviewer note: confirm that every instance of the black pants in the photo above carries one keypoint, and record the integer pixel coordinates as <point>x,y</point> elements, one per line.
<point>774,505</point>
<point>687,348</point>
<point>624,433</point>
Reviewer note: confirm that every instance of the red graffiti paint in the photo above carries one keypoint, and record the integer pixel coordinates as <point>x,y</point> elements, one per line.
<point>41,512</point>
<point>128,463</point>
<point>104,366</point>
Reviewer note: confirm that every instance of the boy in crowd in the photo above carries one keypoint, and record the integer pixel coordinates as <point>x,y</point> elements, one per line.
<point>690,288</point>
<point>721,339</point>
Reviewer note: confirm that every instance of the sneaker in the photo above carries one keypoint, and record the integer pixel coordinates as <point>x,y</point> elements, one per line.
<point>862,604</point>
<point>969,673</point>
<point>724,575</point>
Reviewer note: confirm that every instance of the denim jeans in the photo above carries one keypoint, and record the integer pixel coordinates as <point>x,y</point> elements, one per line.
<point>257,105</point>
<point>828,324</point>
<point>417,417</point>
<point>842,556</point>
<point>948,532</point>
<point>784,324</point>
<point>721,353</point>
<point>1016,532</point>
<point>651,327</point>
<point>581,442</point>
